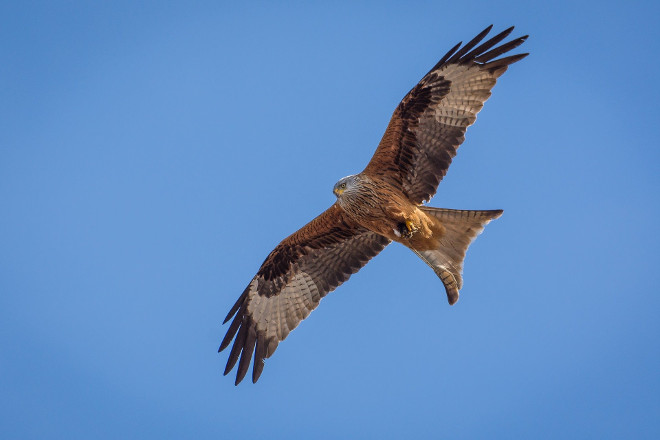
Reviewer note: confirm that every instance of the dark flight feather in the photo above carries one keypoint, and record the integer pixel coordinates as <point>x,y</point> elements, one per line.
<point>429,124</point>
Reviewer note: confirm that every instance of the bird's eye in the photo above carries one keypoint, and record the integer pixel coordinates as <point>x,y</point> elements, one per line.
<point>343,185</point>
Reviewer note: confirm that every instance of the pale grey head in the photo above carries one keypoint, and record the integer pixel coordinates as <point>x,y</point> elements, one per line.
<point>346,184</point>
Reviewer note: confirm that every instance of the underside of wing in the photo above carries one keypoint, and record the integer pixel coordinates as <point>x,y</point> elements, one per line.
<point>429,124</point>
<point>300,271</point>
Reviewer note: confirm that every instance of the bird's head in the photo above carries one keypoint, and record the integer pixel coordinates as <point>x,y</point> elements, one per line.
<point>345,184</point>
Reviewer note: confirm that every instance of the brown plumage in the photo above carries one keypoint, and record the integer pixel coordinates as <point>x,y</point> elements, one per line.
<point>379,205</point>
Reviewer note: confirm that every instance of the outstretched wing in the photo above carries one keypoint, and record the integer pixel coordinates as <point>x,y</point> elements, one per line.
<point>300,271</point>
<point>430,122</point>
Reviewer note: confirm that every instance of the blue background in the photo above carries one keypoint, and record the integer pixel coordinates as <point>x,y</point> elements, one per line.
<point>152,154</point>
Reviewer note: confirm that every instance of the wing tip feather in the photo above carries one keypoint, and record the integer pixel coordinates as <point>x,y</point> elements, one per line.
<point>237,305</point>
<point>473,42</point>
<point>482,54</point>
<point>247,351</point>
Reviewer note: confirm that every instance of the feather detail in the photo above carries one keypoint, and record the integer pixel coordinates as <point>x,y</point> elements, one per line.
<point>293,279</point>
<point>429,124</point>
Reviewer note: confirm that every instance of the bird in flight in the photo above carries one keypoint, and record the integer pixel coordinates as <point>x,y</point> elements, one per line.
<point>383,203</point>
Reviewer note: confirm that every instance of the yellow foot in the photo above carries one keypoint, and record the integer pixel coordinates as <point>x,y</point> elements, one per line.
<point>407,229</point>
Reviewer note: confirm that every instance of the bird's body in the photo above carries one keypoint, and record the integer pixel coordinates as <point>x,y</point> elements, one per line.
<point>383,203</point>
<point>380,207</point>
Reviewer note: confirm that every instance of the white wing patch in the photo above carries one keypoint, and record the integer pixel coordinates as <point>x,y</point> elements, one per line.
<point>278,315</point>
<point>470,88</point>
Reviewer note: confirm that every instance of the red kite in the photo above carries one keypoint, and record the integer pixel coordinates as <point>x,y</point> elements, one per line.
<point>381,204</point>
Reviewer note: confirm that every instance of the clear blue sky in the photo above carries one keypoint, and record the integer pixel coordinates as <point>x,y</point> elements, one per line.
<point>152,154</point>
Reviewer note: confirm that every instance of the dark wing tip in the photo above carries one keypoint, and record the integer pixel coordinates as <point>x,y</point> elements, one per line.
<point>239,302</point>
<point>508,30</point>
<point>444,59</point>
<point>458,55</point>
<point>482,54</point>
<point>247,341</point>
<point>259,355</point>
<point>484,57</point>
<point>236,349</point>
<point>241,331</point>
<point>238,309</point>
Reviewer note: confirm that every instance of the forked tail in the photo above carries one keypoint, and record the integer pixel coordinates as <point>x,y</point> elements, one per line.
<point>460,228</point>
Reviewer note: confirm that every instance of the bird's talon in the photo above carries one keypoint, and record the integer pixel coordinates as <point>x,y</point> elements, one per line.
<point>411,227</point>
<point>407,229</point>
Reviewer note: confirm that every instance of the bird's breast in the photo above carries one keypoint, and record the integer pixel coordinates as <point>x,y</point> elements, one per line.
<point>378,207</point>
